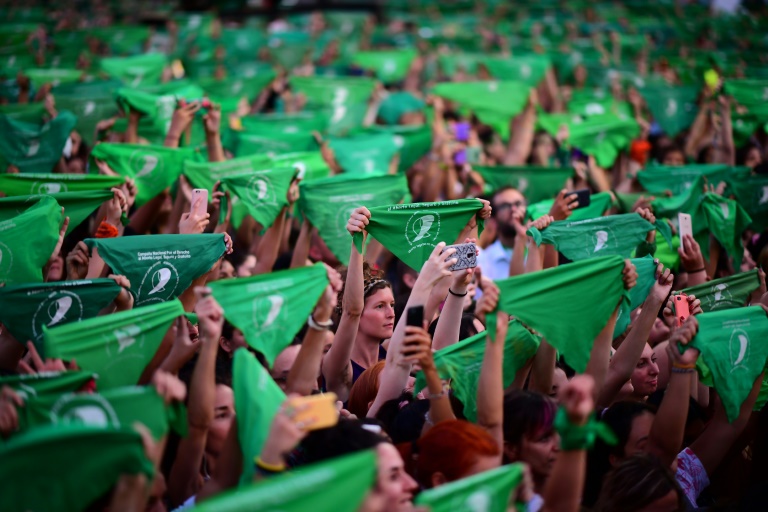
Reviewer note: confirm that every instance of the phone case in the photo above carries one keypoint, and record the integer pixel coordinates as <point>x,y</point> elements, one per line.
<point>466,256</point>
<point>204,204</point>
<point>681,308</point>
<point>583,197</point>
<point>685,224</point>
<point>415,316</point>
<point>320,413</point>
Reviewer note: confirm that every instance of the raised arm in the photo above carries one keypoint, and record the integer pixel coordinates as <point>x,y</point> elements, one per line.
<point>180,122</point>
<point>212,125</point>
<point>447,330</point>
<point>490,387</point>
<point>692,261</point>
<point>625,359</point>
<point>417,348</point>
<point>522,130</point>
<point>301,248</point>
<point>269,245</point>
<point>302,378</point>
<point>337,369</point>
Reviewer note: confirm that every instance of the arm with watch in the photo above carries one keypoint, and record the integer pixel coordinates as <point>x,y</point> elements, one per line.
<point>447,330</point>
<point>302,378</point>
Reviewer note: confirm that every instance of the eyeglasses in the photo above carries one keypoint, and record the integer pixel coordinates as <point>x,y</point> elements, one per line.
<point>506,206</point>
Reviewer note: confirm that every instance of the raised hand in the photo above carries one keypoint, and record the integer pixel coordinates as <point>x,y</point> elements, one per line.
<point>564,205</point>
<point>437,267</point>
<point>169,387</point>
<point>542,222</point>
<point>116,206</point>
<point>663,284</point>
<point>210,316</point>
<point>690,254</point>
<point>683,336</point>
<point>648,215</point>
<point>193,222</point>
<point>327,303</point>
<point>488,302</point>
<point>416,348</point>
<point>124,299</point>
<point>77,262</point>
<point>212,121</point>
<point>9,417</point>
<point>358,220</point>
<point>576,398</point>
<point>629,275</point>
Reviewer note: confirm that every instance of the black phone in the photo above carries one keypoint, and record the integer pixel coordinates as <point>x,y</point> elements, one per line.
<point>415,316</point>
<point>583,196</point>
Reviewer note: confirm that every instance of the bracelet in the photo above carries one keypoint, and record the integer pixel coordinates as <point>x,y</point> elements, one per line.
<point>581,437</point>
<point>680,369</point>
<point>441,394</point>
<point>270,468</point>
<point>684,366</point>
<point>702,269</point>
<point>106,230</point>
<point>319,326</point>
<point>457,294</point>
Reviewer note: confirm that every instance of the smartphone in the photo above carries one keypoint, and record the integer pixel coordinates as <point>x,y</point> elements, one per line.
<point>202,208</point>
<point>685,224</point>
<point>466,256</point>
<point>415,316</point>
<point>682,311</point>
<point>583,196</point>
<point>320,411</point>
<point>462,132</point>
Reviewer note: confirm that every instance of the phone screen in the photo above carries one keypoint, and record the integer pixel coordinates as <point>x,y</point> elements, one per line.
<point>202,206</point>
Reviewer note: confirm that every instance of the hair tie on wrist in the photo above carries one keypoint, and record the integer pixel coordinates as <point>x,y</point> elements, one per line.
<point>581,437</point>
<point>457,294</point>
<point>702,269</point>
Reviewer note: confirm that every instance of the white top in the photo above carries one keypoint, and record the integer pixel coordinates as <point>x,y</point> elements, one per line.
<point>691,475</point>
<point>494,260</point>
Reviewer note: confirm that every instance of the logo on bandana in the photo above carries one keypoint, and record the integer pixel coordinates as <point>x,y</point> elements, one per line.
<point>159,283</point>
<point>478,501</point>
<point>600,242</point>
<point>59,308</point>
<point>594,109</point>
<point>422,228</point>
<point>260,190</point>
<point>125,338</point>
<point>89,108</point>
<point>522,184</point>
<point>266,312</point>
<point>764,196</point>
<point>725,209</point>
<point>85,409</point>
<point>720,297</point>
<point>40,187</point>
<point>6,259</point>
<point>671,109</point>
<point>144,163</point>
<point>34,147</point>
<point>345,212</point>
<point>739,349</point>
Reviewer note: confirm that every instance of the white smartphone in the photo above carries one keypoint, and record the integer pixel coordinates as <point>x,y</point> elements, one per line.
<point>686,226</point>
<point>202,208</point>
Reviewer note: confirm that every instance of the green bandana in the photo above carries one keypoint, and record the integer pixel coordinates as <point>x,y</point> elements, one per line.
<point>389,66</point>
<point>726,220</point>
<point>528,69</point>
<point>33,147</point>
<point>646,277</point>
<point>593,287</point>
<point>54,383</point>
<point>752,193</point>
<point>78,206</point>
<point>285,124</point>
<point>333,92</point>
<point>271,308</point>
<point>338,485</point>
<point>154,168</point>
<point>490,491</point>
<point>411,231</point>
<point>113,408</point>
<point>589,105</point>
<point>310,162</point>
<point>329,202</point>
<point>227,88</point>
<point>55,77</point>
<point>26,308</point>
<point>118,346</point>
<point>412,142</point>
<point>725,293</point>
<point>160,267</point>
<point>102,456</point>
<point>674,108</point>
<point>601,236</point>
<point>135,71</point>
<point>750,94</point>
<point>27,241</point>
<point>598,204</point>
<point>397,104</point>
<point>89,109</point>
<point>732,348</point>
<point>33,184</point>
<point>263,193</point>
<point>535,183</point>
<point>368,153</point>
<point>462,362</point>
<point>257,400</point>
<point>678,179</point>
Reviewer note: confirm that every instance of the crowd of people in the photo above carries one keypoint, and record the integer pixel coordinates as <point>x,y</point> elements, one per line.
<point>459,255</point>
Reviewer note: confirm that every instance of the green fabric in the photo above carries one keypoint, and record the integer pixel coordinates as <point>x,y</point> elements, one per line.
<point>112,408</point>
<point>32,184</point>
<point>249,87</point>
<point>661,178</point>
<point>329,202</point>
<point>602,136</point>
<point>55,77</point>
<point>77,205</point>
<point>337,485</point>
<point>490,491</point>
<point>534,182</point>
<point>389,66</point>
<point>160,267</point>
<point>397,104</point>
<point>263,193</point>
<point>54,383</point>
<point>333,92</point>
<point>592,288</point>
<point>246,143</point>
<point>591,106</point>
<point>674,108</point>
<point>118,346</point>
<point>257,400</point>
<point>33,113</point>
<point>601,236</point>
<point>368,153</point>
<point>101,455</point>
<point>153,168</point>
<point>598,205</point>
<point>26,308</point>
<point>462,362</point>
<point>413,142</point>
<point>135,71</point>
<point>89,112</point>
<point>271,308</point>
<point>35,147</point>
<point>732,347</point>
<point>725,293</point>
<point>27,242</point>
<point>646,277</point>
<point>411,231</point>
<point>752,193</point>
<point>751,94</point>
<point>529,69</point>
<point>310,162</point>
<point>726,220</point>
<point>286,124</point>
